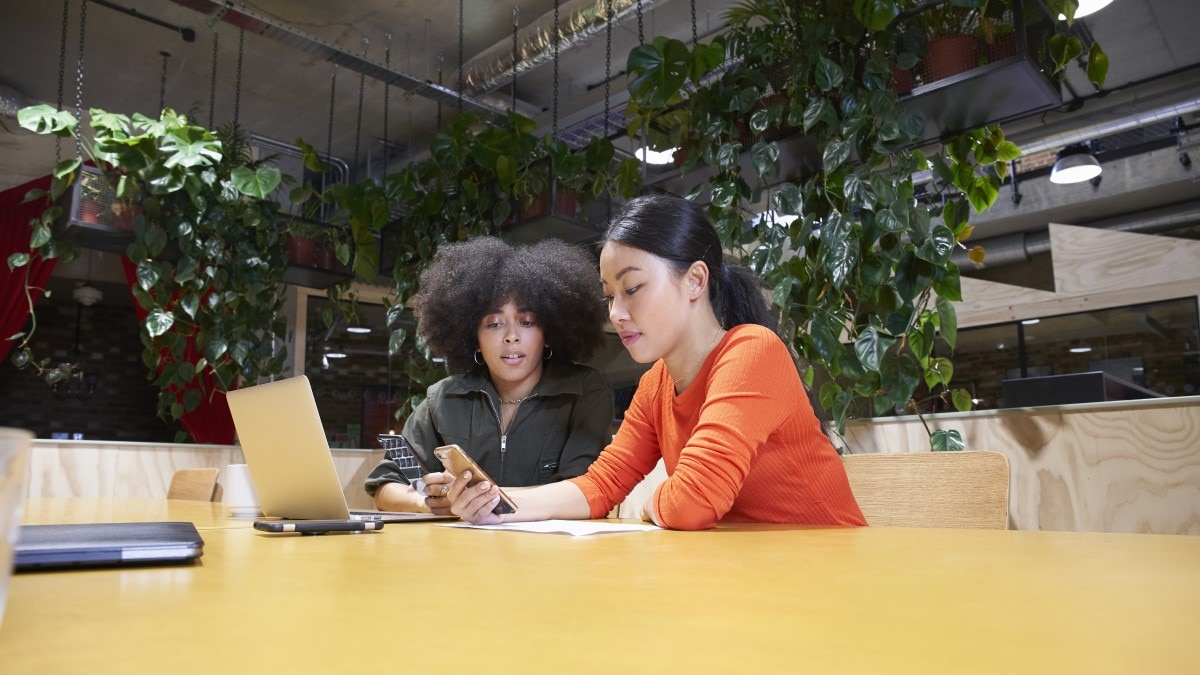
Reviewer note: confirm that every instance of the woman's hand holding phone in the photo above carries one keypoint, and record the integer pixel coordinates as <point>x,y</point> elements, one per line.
<point>475,502</point>
<point>437,492</point>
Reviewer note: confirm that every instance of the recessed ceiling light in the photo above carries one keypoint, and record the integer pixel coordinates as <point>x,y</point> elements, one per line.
<point>358,329</point>
<point>1030,322</point>
<point>335,355</point>
<point>1080,350</point>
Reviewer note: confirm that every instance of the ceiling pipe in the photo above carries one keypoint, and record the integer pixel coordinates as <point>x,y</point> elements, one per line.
<point>252,22</point>
<point>11,102</point>
<point>1011,249</point>
<point>580,21</point>
<point>1098,130</point>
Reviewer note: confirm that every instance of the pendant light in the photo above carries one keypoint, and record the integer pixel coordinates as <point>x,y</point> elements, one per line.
<point>1075,164</point>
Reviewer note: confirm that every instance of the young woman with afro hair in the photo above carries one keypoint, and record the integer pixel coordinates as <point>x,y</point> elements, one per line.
<point>513,324</point>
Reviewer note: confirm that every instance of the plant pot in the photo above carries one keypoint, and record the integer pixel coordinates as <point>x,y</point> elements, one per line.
<point>325,258</point>
<point>903,81</point>
<point>950,55</point>
<point>89,211</point>
<point>301,250</point>
<point>540,206</point>
<point>566,203</point>
<point>1002,47</point>
<point>124,219</point>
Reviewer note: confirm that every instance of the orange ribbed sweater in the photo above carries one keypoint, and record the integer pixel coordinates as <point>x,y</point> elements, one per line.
<point>741,444</point>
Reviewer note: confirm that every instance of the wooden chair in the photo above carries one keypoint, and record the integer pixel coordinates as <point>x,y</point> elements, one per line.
<point>195,484</point>
<point>966,489</point>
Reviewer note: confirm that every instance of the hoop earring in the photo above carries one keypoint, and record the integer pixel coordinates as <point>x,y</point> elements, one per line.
<point>478,357</point>
<point>546,355</point>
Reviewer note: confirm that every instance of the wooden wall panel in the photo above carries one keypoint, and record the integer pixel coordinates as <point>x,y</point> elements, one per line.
<point>143,470</point>
<point>1108,467</point>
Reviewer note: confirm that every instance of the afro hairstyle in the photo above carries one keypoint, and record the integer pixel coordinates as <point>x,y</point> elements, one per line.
<point>557,281</point>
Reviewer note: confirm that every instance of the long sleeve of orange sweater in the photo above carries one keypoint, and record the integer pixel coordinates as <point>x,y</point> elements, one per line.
<point>741,444</point>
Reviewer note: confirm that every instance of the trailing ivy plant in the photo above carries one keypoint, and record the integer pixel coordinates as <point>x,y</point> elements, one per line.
<point>478,176</point>
<point>209,246</point>
<point>862,277</point>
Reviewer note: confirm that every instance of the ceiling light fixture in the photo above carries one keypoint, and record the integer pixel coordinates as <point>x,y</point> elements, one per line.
<point>1075,164</point>
<point>1081,349</point>
<point>658,156</point>
<point>335,355</point>
<point>358,329</point>
<point>1087,7</point>
<point>1031,322</point>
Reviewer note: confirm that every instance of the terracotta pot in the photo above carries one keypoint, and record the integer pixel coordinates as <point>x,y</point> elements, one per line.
<point>903,81</point>
<point>89,211</point>
<point>950,55</point>
<point>300,250</point>
<point>1002,48</point>
<point>566,203</point>
<point>325,258</point>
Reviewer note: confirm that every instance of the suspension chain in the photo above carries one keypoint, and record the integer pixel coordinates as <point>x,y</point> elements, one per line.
<point>441,66</point>
<point>212,83</point>
<point>695,36</point>
<point>516,53</point>
<point>79,76</point>
<point>555,37</point>
<point>387,63</point>
<point>641,32</point>
<point>461,74</point>
<point>62,68</point>
<point>237,87</point>
<point>362,81</point>
<point>329,131</point>
<point>162,82</point>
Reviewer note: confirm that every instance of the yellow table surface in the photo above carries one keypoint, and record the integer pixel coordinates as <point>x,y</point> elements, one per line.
<point>417,597</point>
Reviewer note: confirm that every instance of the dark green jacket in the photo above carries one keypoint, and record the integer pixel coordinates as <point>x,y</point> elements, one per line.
<point>555,434</point>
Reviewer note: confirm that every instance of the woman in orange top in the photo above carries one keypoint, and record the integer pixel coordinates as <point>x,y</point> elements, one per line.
<point>723,405</point>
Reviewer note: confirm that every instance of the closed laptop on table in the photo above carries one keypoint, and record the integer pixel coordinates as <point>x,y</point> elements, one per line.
<point>290,464</point>
<point>106,544</point>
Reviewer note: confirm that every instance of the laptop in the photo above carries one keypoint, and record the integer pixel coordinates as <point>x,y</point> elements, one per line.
<point>288,455</point>
<point>106,544</point>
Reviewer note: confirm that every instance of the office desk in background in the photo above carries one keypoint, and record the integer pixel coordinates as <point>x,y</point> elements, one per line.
<point>741,598</point>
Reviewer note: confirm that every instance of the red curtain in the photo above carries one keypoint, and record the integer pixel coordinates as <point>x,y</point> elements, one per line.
<point>14,238</point>
<point>211,421</point>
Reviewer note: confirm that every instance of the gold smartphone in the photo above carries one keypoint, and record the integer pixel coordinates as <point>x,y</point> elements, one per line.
<point>456,462</point>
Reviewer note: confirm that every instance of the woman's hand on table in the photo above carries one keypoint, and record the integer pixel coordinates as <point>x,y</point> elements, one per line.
<point>474,503</point>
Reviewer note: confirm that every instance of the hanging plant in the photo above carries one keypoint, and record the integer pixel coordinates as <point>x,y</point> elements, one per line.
<point>862,277</point>
<point>208,245</point>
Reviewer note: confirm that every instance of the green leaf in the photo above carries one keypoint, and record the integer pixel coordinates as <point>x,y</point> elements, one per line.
<point>18,260</point>
<point>947,320</point>
<point>939,371</point>
<point>215,350</point>
<point>147,275</point>
<point>258,183</point>
<point>944,440</point>
<point>836,153</point>
<point>871,346</point>
<point>44,119</point>
<point>819,110</point>
<point>1063,49</point>
<point>829,74</point>
<point>191,399</point>
<point>875,14</point>
<point>190,304</point>
<point>765,156</point>
<point>962,400</point>
<point>1097,66</point>
<point>787,200</point>
<point>661,68</point>
<point>66,168</point>
<point>948,284</point>
<point>159,322</point>
<point>1007,151</point>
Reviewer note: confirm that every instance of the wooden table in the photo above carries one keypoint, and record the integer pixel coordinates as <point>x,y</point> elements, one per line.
<point>417,597</point>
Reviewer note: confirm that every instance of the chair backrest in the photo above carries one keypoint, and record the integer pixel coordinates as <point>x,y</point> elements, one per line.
<point>966,489</point>
<point>195,484</point>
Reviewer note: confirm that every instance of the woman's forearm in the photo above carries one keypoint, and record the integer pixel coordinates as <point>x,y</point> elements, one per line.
<point>555,500</point>
<point>399,497</point>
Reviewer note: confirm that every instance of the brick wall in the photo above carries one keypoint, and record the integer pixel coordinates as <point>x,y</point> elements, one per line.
<point>122,407</point>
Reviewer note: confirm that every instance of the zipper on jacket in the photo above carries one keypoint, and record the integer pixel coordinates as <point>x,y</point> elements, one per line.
<point>503,432</point>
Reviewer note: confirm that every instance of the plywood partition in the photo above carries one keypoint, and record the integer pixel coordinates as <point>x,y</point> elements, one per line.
<point>93,469</point>
<point>1130,466</point>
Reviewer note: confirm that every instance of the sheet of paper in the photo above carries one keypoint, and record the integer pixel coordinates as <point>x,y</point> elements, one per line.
<point>576,528</point>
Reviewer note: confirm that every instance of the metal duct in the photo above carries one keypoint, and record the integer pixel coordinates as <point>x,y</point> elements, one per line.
<point>584,20</point>
<point>1099,130</point>
<point>1016,248</point>
<point>284,34</point>
<point>11,101</point>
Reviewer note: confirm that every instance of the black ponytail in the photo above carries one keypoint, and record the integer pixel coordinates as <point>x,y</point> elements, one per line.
<point>679,232</point>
